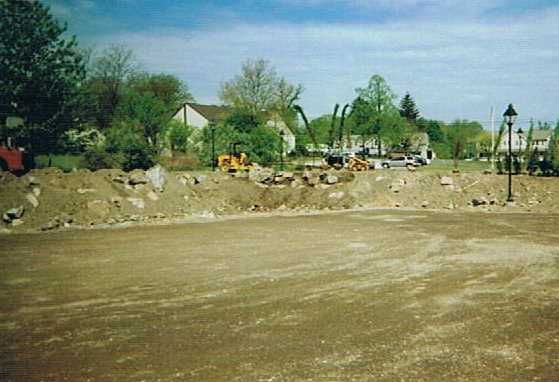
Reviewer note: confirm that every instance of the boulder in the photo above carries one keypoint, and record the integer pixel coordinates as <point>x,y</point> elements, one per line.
<point>446,181</point>
<point>136,177</point>
<point>331,179</point>
<point>311,178</point>
<point>201,178</point>
<point>261,175</point>
<point>120,179</point>
<point>279,179</point>
<point>32,199</point>
<point>33,181</point>
<point>337,195</point>
<point>13,214</point>
<point>157,175</point>
<point>481,201</point>
<point>288,175</point>
<point>137,202</point>
<point>99,207</point>
<point>116,201</point>
<point>52,224</point>
<point>425,204</point>
<point>186,179</point>
<point>152,196</point>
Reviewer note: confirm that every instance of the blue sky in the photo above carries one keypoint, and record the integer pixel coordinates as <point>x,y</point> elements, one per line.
<point>456,58</point>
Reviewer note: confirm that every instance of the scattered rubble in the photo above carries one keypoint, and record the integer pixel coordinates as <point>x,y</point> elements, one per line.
<point>446,181</point>
<point>109,197</point>
<point>13,214</point>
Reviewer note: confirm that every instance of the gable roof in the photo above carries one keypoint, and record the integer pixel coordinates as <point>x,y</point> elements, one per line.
<point>213,113</point>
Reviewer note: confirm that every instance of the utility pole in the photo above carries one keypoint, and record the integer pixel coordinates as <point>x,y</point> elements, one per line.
<point>493,151</point>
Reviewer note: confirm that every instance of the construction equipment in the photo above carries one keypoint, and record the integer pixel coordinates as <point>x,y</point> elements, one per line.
<point>234,161</point>
<point>14,159</point>
<point>357,164</point>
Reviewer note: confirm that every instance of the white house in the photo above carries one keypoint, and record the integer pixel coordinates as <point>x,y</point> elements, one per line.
<point>358,144</point>
<point>540,141</point>
<point>276,123</point>
<point>199,116</point>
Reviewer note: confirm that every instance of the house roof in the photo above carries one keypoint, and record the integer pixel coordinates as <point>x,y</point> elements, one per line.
<point>541,134</point>
<point>212,113</point>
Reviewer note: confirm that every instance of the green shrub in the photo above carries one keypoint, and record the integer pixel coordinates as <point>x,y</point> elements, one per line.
<point>126,140</point>
<point>98,158</point>
<point>178,135</point>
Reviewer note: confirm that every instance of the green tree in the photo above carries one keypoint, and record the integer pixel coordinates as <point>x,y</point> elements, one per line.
<point>147,112</point>
<point>460,134</point>
<point>322,127</point>
<point>40,72</point>
<point>396,132</point>
<point>170,90</point>
<point>126,141</point>
<point>376,101</point>
<point>408,109</point>
<point>259,88</point>
<point>178,135</point>
<point>106,85</point>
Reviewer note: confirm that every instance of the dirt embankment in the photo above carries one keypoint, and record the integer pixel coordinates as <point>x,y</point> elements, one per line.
<point>50,200</point>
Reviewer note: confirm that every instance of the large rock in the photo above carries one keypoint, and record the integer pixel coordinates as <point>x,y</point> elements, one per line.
<point>157,175</point>
<point>331,179</point>
<point>337,195</point>
<point>13,214</point>
<point>99,207</point>
<point>481,201</point>
<point>311,178</point>
<point>33,181</point>
<point>32,199</point>
<point>136,177</point>
<point>152,196</point>
<point>137,202</point>
<point>446,181</point>
<point>261,175</point>
<point>186,179</point>
<point>201,178</point>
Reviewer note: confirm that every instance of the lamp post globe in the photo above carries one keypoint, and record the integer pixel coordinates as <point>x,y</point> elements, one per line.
<point>510,117</point>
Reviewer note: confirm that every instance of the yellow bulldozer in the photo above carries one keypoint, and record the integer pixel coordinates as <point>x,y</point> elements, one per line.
<point>357,164</point>
<point>234,161</point>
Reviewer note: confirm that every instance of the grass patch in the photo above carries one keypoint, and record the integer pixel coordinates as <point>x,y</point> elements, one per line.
<point>447,165</point>
<point>64,162</point>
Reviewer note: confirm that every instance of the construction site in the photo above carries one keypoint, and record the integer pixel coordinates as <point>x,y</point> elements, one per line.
<point>316,275</point>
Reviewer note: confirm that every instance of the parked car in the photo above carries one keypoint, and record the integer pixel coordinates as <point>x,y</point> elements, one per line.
<point>420,160</point>
<point>403,161</point>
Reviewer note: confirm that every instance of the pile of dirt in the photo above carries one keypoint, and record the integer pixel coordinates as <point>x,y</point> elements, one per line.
<point>49,199</point>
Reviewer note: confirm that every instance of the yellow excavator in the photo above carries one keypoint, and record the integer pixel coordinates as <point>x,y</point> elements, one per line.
<point>234,161</point>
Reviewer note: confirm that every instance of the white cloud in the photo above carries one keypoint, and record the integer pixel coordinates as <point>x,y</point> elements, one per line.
<point>453,69</point>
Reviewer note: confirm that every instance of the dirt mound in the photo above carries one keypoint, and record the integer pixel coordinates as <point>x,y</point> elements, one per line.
<point>52,199</point>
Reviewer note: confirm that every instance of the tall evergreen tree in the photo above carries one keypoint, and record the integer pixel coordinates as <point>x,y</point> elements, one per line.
<point>408,109</point>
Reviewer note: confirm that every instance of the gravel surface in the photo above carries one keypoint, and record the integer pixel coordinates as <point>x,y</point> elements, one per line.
<point>355,296</point>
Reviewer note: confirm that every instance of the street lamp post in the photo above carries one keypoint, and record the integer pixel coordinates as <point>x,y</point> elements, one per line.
<point>212,136</point>
<point>510,116</point>
<point>282,133</point>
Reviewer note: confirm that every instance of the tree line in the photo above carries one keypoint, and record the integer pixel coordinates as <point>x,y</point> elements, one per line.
<point>103,106</point>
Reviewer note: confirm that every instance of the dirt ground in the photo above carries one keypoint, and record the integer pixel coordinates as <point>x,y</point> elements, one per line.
<point>354,296</point>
